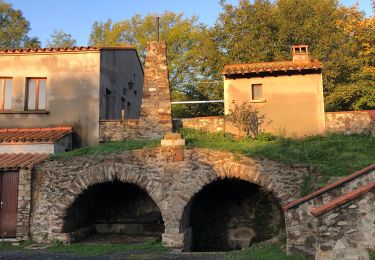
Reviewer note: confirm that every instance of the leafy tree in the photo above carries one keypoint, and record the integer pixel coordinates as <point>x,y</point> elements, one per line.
<point>180,34</point>
<point>60,39</point>
<point>14,29</point>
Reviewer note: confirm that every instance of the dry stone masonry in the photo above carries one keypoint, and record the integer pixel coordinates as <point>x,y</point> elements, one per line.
<point>169,182</point>
<point>343,232</point>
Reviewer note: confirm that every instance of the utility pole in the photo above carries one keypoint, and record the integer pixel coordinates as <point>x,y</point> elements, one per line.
<point>158,27</point>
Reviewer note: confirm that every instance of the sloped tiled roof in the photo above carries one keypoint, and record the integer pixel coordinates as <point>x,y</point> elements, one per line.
<point>33,135</point>
<point>21,160</point>
<point>67,49</point>
<point>241,69</point>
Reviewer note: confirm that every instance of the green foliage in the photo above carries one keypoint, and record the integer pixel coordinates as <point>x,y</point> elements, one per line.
<point>14,29</point>
<point>262,253</point>
<point>354,96</point>
<point>104,249</point>
<point>331,155</point>
<point>246,118</point>
<point>107,148</point>
<point>60,39</point>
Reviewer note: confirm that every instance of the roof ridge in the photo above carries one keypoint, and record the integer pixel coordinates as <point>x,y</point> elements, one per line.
<point>36,129</point>
<point>63,49</point>
<point>329,187</point>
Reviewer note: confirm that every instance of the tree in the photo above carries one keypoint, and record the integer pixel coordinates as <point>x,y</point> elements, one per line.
<point>60,39</point>
<point>246,118</point>
<point>14,29</point>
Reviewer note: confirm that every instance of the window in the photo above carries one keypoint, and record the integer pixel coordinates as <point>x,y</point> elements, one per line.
<point>256,92</point>
<point>5,93</point>
<point>36,91</point>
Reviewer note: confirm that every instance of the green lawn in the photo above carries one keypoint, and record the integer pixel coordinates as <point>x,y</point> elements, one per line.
<point>110,147</point>
<point>331,155</point>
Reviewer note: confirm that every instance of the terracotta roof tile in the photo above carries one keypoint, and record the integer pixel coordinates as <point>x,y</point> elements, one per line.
<point>33,135</point>
<point>21,160</point>
<point>342,199</point>
<point>241,69</point>
<point>67,49</point>
<point>328,187</point>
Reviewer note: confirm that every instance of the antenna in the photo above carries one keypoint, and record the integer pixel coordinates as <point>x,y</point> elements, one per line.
<point>158,27</point>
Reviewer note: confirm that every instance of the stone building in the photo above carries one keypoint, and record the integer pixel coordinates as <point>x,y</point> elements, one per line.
<point>75,86</point>
<point>288,93</point>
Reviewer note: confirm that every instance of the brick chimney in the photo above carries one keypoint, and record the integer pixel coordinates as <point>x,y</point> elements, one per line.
<point>300,53</point>
<point>156,116</point>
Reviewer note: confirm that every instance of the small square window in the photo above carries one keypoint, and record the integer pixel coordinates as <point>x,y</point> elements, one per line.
<point>5,93</point>
<point>256,92</point>
<point>36,91</point>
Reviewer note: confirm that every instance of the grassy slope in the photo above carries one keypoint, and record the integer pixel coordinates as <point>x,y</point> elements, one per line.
<point>111,147</point>
<point>332,155</point>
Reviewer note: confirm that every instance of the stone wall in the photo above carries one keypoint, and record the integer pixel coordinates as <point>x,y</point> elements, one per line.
<point>210,124</point>
<point>346,122</point>
<point>351,122</point>
<point>24,205</point>
<point>156,117</point>
<point>319,236</point>
<point>120,130</point>
<point>170,180</point>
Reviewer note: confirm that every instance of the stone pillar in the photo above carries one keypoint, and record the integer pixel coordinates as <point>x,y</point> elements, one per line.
<point>24,205</point>
<point>156,117</point>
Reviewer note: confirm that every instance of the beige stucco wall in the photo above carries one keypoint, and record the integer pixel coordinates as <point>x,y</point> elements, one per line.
<point>293,103</point>
<point>72,91</point>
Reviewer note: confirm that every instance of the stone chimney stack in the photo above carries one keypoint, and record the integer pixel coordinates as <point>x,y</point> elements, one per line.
<point>300,53</point>
<point>156,116</point>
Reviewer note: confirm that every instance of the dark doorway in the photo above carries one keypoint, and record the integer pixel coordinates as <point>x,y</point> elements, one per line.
<point>9,204</point>
<point>231,214</point>
<point>114,212</point>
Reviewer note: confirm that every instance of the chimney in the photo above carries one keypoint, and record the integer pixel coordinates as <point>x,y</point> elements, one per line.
<point>300,53</point>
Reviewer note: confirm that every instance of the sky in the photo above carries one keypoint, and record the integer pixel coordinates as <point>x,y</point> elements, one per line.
<point>77,16</point>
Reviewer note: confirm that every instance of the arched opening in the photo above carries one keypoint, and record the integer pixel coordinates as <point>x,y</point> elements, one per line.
<point>114,212</point>
<point>230,214</point>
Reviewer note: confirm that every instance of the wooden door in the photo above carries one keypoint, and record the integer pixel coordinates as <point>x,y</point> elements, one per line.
<point>9,203</point>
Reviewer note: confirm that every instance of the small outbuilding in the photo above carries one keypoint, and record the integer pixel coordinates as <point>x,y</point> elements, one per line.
<point>288,93</point>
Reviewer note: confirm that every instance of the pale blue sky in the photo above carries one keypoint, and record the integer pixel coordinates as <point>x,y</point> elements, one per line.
<point>77,16</point>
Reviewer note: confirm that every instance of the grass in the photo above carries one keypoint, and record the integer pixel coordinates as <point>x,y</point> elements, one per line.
<point>262,253</point>
<point>371,254</point>
<point>331,155</point>
<point>104,249</point>
<point>7,246</point>
<point>107,148</point>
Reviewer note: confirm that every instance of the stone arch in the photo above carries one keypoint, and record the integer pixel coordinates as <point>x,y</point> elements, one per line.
<point>98,174</point>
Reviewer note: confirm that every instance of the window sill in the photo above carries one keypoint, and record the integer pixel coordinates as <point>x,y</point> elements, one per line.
<point>258,101</point>
<point>25,112</point>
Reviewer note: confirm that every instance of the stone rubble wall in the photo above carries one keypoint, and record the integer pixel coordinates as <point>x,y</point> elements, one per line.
<point>210,124</point>
<point>24,205</point>
<point>308,234</point>
<point>120,130</point>
<point>346,122</point>
<point>168,180</point>
<point>156,115</point>
<point>353,228</point>
<point>351,122</point>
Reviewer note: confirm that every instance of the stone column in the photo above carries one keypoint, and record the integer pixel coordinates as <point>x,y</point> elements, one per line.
<point>156,118</point>
<point>24,205</point>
